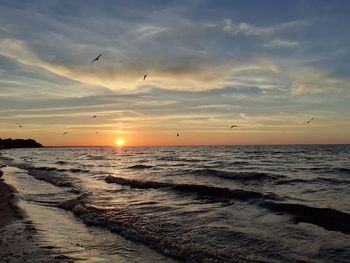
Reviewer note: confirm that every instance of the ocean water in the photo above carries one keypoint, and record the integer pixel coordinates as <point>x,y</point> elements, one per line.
<point>194,204</point>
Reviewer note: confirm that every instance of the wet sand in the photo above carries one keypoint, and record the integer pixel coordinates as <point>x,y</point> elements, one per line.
<point>7,210</point>
<point>19,239</point>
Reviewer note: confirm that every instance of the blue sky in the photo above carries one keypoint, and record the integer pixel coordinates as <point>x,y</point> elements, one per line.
<point>267,66</point>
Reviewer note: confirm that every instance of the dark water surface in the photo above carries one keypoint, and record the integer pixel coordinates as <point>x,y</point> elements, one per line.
<point>197,204</point>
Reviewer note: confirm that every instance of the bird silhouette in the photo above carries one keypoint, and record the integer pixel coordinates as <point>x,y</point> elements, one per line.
<point>309,121</point>
<point>145,76</point>
<point>64,133</point>
<point>96,58</point>
<point>19,125</point>
<point>234,126</point>
<point>93,116</point>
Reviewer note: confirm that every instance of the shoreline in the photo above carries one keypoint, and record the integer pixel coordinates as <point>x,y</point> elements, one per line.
<point>19,238</point>
<point>65,237</point>
<point>9,211</point>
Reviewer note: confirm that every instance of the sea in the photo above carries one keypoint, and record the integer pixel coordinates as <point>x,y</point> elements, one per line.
<point>285,203</point>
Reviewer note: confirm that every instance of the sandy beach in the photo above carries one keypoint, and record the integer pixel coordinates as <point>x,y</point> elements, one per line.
<point>20,241</point>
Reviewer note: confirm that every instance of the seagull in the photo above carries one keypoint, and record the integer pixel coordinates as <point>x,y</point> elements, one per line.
<point>19,125</point>
<point>145,76</point>
<point>64,133</point>
<point>309,121</point>
<point>96,59</point>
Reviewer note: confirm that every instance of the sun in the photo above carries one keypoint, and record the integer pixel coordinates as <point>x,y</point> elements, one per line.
<point>119,142</point>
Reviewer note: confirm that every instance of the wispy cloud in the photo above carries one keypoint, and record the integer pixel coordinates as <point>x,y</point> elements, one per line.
<point>249,29</point>
<point>314,82</point>
<point>173,75</point>
<point>264,71</point>
<point>145,31</point>
<point>279,43</point>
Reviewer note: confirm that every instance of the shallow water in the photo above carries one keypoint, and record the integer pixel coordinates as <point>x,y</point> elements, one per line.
<point>222,203</point>
<point>65,233</point>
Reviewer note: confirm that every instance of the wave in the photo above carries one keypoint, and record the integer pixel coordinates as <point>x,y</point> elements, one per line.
<point>158,235</point>
<point>224,163</point>
<point>341,170</point>
<point>327,218</point>
<point>334,181</point>
<point>239,163</point>
<point>96,157</point>
<point>61,162</point>
<point>52,177</point>
<point>235,175</point>
<point>312,181</point>
<point>177,159</point>
<point>48,174</point>
<point>44,168</point>
<point>298,180</point>
<point>292,181</point>
<point>140,166</point>
<point>54,169</point>
<point>201,190</point>
<point>317,168</point>
<point>5,158</point>
<point>78,170</point>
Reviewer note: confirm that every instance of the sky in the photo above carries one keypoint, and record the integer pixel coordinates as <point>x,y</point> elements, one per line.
<point>266,66</point>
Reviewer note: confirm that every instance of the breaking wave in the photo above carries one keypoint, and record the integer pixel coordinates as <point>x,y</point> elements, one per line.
<point>201,190</point>
<point>140,166</point>
<point>61,162</point>
<point>327,218</point>
<point>162,236</point>
<point>50,175</point>
<point>235,175</point>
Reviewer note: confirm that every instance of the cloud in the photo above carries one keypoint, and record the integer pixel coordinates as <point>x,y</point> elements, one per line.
<point>203,72</point>
<point>145,31</point>
<point>279,43</point>
<point>252,30</point>
<point>310,81</point>
<point>193,74</point>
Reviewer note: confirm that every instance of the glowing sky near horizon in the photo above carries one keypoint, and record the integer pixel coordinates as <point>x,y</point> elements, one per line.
<point>266,67</point>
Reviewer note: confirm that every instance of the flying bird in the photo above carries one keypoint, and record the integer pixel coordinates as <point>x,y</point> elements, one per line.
<point>96,59</point>
<point>64,133</point>
<point>309,121</point>
<point>145,76</point>
<point>19,125</point>
<point>234,126</point>
<point>93,116</point>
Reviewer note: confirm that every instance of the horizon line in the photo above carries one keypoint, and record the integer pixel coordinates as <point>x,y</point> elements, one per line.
<point>190,145</point>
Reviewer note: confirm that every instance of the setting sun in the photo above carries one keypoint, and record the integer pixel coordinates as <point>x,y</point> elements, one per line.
<point>119,142</point>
